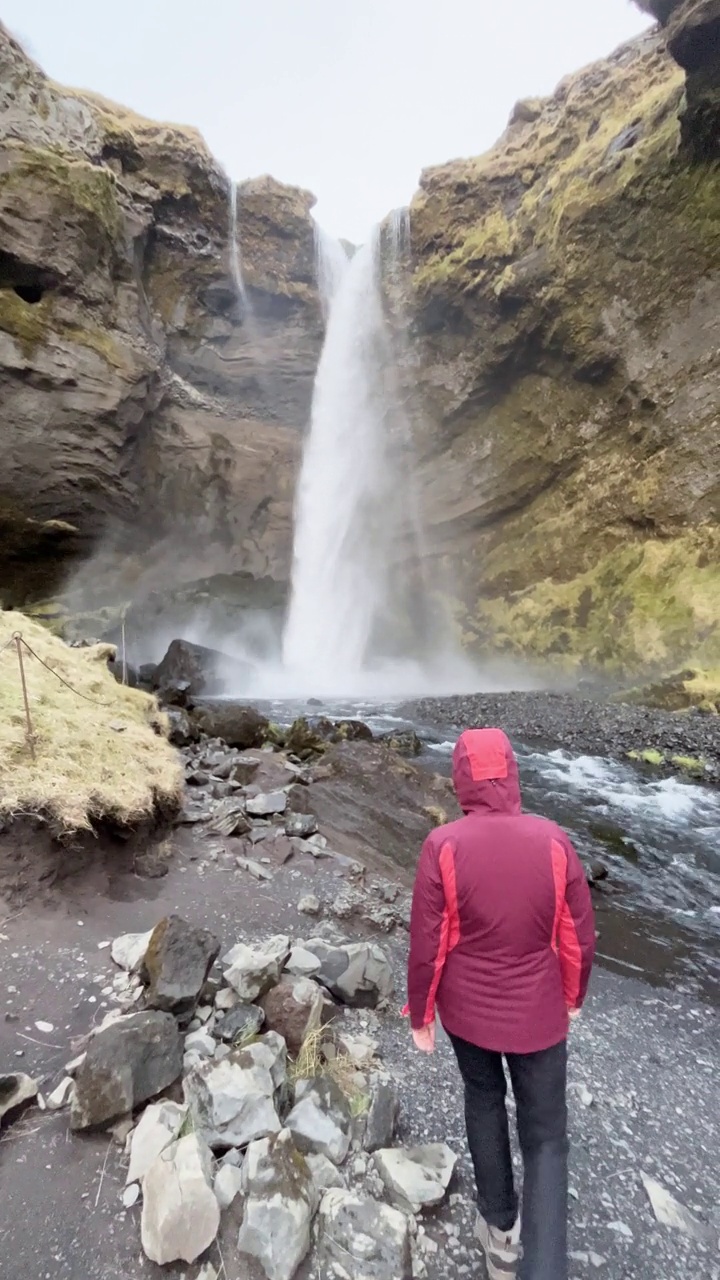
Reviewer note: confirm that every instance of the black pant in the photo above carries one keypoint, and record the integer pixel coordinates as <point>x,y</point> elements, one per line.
<point>539,1085</point>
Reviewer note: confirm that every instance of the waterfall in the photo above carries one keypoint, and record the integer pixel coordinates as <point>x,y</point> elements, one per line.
<point>331,263</point>
<point>235,258</point>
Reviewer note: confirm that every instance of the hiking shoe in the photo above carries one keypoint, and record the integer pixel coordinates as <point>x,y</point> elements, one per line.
<point>502,1248</point>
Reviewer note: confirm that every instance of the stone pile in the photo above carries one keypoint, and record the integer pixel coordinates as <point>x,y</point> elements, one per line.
<point>270,1120</point>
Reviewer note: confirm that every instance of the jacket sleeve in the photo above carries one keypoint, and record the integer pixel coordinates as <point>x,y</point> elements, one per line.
<point>428,947</point>
<point>576,932</point>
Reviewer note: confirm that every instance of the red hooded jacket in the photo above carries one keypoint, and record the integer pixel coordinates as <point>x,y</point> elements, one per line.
<point>502,937</point>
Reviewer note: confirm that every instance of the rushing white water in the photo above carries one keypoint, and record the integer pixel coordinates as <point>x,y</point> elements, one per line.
<point>234,241</point>
<point>331,263</point>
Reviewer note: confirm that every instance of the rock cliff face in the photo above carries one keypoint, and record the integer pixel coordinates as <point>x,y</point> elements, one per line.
<point>565,366</point>
<point>146,409</point>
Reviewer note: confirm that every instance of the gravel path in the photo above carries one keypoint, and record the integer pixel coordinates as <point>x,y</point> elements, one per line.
<point>582,725</point>
<point>647,1058</point>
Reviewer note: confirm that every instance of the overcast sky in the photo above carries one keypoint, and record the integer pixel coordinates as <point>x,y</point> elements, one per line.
<point>351,98</point>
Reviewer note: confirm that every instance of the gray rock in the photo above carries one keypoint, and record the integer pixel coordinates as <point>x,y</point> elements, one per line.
<point>238,726</point>
<point>382,1117</point>
<point>158,1126</point>
<point>416,1178</point>
<point>358,974</point>
<point>129,1061</point>
<point>264,805</point>
<point>128,951</point>
<point>361,1239</point>
<point>244,769</point>
<point>253,970</point>
<point>320,1120</point>
<point>325,1173</point>
<point>201,1043</point>
<point>230,819</point>
<point>671,1213</point>
<point>302,825</point>
<point>280,1207</point>
<point>253,868</point>
<point>180,1215</point>
<point>240,1023</point>
<point>14,1091</point>
<point>232,1101</point>
<point>309,905</point>
<point>295,1008</point>
<point>176,965</point>
<point>302,963</point>
<point>182,731</point>
<point>228,1184</point>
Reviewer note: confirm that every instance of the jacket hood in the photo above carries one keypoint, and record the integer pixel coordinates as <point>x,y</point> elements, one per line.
<point>485,772</point>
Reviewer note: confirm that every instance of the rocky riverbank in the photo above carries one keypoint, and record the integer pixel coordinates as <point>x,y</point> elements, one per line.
<point>679,742</point>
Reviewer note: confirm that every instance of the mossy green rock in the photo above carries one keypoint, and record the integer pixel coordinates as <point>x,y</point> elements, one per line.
<point>565,374</point>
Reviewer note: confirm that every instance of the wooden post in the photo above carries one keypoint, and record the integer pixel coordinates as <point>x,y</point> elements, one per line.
<point>30,735</point>
<point>124,653</point>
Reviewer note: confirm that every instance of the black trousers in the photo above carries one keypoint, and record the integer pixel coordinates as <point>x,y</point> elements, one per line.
<point>539,1085</point>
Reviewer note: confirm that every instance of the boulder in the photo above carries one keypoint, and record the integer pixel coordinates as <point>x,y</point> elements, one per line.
<point>198,670</point>
<point>229,818</point>
<point>302,825</point>
<point>128,951</point>
<point>158,1126</point>
<point>405,742</point>
<point>382,1117</point>
<point>281,1203</point>
<point>416,1178</point>
<point>238,726</point>
<point>182,731</point>
<point>180,1214</point>
<point>302,963</point>
<point>321,1118</point>
<point>325,1174</point>
<point>232,1102</point>
<point>295,1008</point>
<point>363,1239</point>
<point>15,1090</point>
<point>240,1023</point>
<point>127,1062</point>
<point>266,805</point>
<point>358,974</point>
<point>253,970</point>
<point>244,769</point>
<point>177,962</point>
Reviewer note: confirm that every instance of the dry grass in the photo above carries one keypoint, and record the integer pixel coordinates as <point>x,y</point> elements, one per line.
<point>100,756</point>
<point>340,1067</point>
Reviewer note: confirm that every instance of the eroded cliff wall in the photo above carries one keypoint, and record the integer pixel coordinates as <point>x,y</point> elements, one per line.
<point>565,374</point>
<point>145,414</point>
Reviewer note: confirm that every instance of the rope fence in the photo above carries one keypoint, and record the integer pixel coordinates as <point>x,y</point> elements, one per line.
<point>22,647</point>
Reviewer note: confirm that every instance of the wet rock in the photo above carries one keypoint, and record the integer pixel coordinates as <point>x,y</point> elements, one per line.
<point>201,670</point>
<point>158,1126</point>
<point>309,905</point>
<point>228,1184</point>
<point>405,742</point>
<point>126,1063</point>
<point>361,1239</point>
<point>253,970</point>
<point>281,1203</point>
<point>238,726</point>
<point>177,962</point>
<point>358,974</point>
<point>232,1102</point>
<point>320,1119</point>
<point>382,1116</point>
<point>182,731</point>
<point>302,825</point>
<point>302,740</point>
<point>180,1215</point>
<point>416,1178</point>
<point>229,818</point>
<point>295,1008</point>
<point>265,805</point>
<point>128,951</point>
<point>15,1091</point>
<point>240,1023</point>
